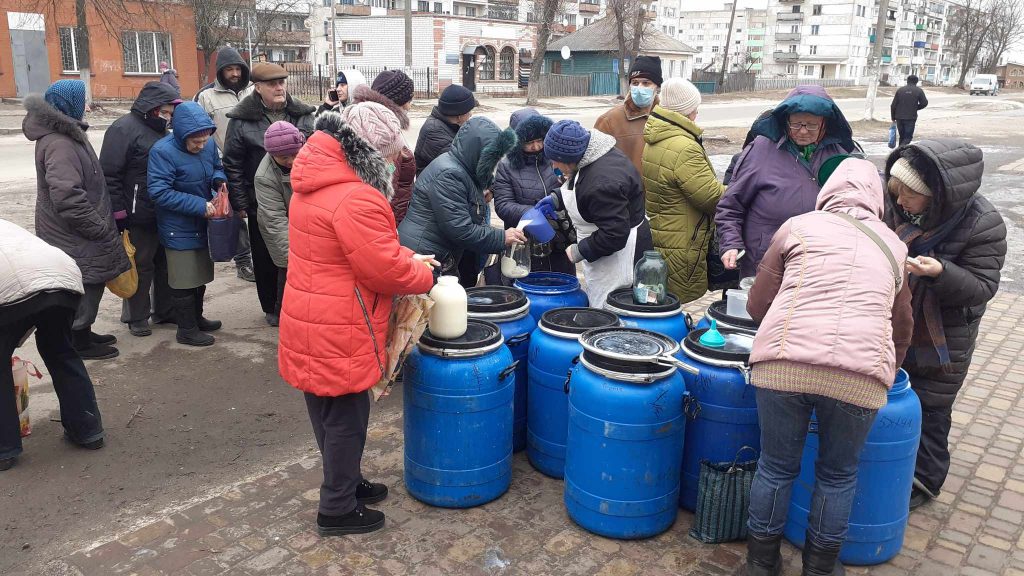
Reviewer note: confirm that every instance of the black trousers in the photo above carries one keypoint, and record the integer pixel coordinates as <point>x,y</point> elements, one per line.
<point>151,264</point>
<point>282,281</point>
<point>469,269</point>
<point>263,267</point>
<point>339,425</point>
<point>933,451</point>
<point>906,131</point>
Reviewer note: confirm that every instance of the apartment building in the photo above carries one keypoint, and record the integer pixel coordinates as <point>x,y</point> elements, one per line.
<point>707,31</point>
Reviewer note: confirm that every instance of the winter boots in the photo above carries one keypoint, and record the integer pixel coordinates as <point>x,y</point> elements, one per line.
<point>93,346</point>
<point>763,556</point>
<point>821,561</point>
<point>204,324</point>
<point>187,312</point>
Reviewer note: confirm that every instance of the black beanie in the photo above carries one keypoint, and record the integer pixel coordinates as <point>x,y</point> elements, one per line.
<point>455,101</point>
<point>648,67</point>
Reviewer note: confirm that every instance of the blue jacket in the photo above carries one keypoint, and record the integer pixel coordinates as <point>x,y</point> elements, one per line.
<point>181,183</point>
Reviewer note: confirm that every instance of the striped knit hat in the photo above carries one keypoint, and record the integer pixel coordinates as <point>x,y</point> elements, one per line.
<point>377,125</point>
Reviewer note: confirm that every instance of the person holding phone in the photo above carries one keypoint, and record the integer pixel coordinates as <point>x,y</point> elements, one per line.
<point>344,87</point>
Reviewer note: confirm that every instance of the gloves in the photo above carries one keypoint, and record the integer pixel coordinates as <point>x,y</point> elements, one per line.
<point>548,205</point>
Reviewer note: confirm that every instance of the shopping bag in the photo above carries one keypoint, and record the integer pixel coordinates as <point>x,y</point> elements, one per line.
<point>223,237</point>
<point>221,203</point>
<point>892,135</point>
<point>22,369</point>
<point>723,497</point>
<point>409,317</point>
<point>126,283</point>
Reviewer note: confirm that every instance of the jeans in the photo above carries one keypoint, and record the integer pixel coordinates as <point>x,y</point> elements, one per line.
<point>78,410</point>
<point>244,255</point>
<point>152,266</point>
<point>842,431</point>
<point>88,307</point>
<point>906,131</point>
<point>339,425</point>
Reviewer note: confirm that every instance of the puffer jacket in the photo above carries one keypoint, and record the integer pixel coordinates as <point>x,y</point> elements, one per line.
<point>436,136</point>
<point>682,193</point>
<point>217,99</point>
<point>73,209</point>
<point>125,155</point>
<point>405,168</point>
<point>29,266</point>
<point>826,295</point>
<point>181,183</point>
<point>626,124</point>
<point>273,196</point>
<point>243,144</point>
<point>972,256</point>
<point>344,256</point>
<point>448,214</point>
<point>522,179</point>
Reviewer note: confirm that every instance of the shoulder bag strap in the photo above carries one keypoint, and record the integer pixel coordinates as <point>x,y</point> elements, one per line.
<point>878,241</point>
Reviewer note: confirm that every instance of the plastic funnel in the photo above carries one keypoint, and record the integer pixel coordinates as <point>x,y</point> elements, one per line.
<point>713,338</point>
<point>538,227</point>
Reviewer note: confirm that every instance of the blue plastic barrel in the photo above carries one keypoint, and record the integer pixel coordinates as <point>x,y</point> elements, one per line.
<point>722,408</point>
<point>717,311</point>
<point>554,346</point>
<point>510,310</point>
<point>667,318</point>
<point>550,290</point>
<point>458,417</point>
<point>884,480</point>
<point>626,433</point>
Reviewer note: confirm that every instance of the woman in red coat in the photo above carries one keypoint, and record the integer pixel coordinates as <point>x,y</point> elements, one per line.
<point>344,266</point>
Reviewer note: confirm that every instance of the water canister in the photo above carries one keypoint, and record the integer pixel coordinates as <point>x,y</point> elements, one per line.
<point>458,417</point>
<point>626,432</point>
<point>554,347</point>
<point>510,310</point>
<point>722,407</point>
<point>717,311</point>
<point>667,318</point>
<point>448,314</point>
<point>548,290</point>
<point>884,481</point>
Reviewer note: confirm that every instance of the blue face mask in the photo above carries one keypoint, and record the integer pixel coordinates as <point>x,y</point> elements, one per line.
<point>641,96</point>
<point>558,172</point>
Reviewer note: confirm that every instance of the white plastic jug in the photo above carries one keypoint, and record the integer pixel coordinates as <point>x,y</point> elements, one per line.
<point>451,308</point>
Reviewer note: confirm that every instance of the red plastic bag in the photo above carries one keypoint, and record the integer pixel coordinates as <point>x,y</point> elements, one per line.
<point>221,205</point>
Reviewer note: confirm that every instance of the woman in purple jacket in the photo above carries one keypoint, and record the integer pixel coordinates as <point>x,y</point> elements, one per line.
<point>775,178</point>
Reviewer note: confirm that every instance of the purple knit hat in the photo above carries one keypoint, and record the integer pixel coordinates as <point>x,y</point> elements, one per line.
<point>283,139</point>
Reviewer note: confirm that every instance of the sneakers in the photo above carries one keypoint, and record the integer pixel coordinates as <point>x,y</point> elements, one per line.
<point>273,319</point>
<point>359,521</point>
<point>89,350</point>
<point>245,272</point>
<point>370,492</point>
<point>140,328</point>
<point>7,463</point>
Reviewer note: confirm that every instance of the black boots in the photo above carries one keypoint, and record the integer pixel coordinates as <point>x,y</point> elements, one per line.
<point>821,561</point>
<point>202,323</point>
<point>140,328</point>
<point>763,556</point>
<point>87,347</point>
<point>359,521</point>
<point>186,312</point>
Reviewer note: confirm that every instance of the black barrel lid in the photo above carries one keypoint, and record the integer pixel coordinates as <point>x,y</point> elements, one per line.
<point>479,334</point>
<point>577,320</point>
<point>495,299</point>
<point>717,310</point>
<point>738,344</point>
<point>627,351</point>
<point>622,299</point>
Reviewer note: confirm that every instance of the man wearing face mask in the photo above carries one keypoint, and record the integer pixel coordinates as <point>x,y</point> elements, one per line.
<point>626,122</point>
<point>125,161</point>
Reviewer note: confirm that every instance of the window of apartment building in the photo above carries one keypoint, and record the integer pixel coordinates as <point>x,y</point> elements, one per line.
<point>813,50</point>
<point>791,69</point>
<point>423,6</point>
<point>587,21</point>
<point>471,11</point>
<point>570,19</point>
<point>700,48</point>
<point>291,55</point>
<point>670,12</point>
<point>438,7</point>
<point>486,63</point>
<point>143,51</point>
<point>794,29</point>
<point>792,48</point>
<point>714,49</point>
<point>808,70</point>
<point>671,30</point>
<point>862,11</point>
<point>816,10</point>
<point>327,28</point>
<point>506,63</point>
<point>796,9</point>
<point>815,29</point>
<point>69,48</point>
<point>328,3</point>
<point>236,20</point>
<point>352,47</point>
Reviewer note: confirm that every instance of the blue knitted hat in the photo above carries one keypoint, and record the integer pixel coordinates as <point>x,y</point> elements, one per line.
<point>67,96</point>
<point>566,142</point>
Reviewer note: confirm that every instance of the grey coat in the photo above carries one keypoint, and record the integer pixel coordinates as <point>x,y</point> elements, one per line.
<point>273,194</point>
<point>73,209</point>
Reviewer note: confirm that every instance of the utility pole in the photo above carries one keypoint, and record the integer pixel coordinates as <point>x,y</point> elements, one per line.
<point>408,34</point>
<point>728,44</point>
<point>334,40</point>
<point>876,59</point>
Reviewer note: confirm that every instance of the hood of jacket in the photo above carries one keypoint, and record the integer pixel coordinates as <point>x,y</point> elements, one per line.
<point>152,96</point>
<point>355,79</point>
<point>663,124</point>
<point>951,168</point>
<point>479,145</point>
<point>251,108</point>
<point>529,128</point>
<point>190,118</point>
<point>228,56</point>
<point>344,157</point>
<point>42,119</point>
<point>810,99</point>
<point>600,144</point>
<point>363,93</point>
<point>519,115</point>
<point>853,188</point>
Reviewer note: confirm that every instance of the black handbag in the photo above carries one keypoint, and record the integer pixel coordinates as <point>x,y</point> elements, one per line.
<point>723,497</point>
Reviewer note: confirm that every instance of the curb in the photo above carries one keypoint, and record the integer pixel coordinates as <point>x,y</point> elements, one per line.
<point>17,131</point>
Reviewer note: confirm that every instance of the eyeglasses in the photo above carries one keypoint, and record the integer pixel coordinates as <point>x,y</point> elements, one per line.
<point>797,126</point>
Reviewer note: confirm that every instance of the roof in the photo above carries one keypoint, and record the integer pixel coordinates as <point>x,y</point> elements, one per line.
<point>601,37</point>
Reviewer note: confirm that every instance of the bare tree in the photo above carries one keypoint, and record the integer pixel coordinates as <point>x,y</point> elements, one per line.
<point>212,30</point>
<point>548,11</point>
<point>968,26</point>
<point>1007,17</point>
<point>875,61</point>
<point>268,16</point>
<point>631,26</point>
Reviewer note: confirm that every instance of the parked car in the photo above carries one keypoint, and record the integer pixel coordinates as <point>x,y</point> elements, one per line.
<point>987,84</point>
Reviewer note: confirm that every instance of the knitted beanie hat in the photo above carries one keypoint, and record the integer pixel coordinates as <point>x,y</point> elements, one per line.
<point>680,95</point>
<point>904,172</point>
<point>283,139</point>
<point>566,142</point>
<point>648,67</point>
<point>68,97</point>
<point>341,79</point>
<point>455,101</point>
<point>377,125</point>
<point>394,85</point>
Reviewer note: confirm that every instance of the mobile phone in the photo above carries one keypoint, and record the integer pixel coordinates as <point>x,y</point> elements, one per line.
<point>914,261</point>
<point>333,95</point>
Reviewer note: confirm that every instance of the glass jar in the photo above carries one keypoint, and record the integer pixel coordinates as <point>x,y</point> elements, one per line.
<point>515,261</point>
<point>650,279</point>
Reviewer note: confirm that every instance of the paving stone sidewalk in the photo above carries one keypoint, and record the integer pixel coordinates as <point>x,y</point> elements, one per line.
<point>265,525</point>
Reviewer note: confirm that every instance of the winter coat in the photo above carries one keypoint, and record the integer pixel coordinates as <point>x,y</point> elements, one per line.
<point>125,155</point>
<point>170,78</point>
<point>682,193</point>
<point>73,209</point>
<point>448,214</point>
<point>972,256</point>
<point>405,168</point>
<point>770,184</point>
<point>344,256</point>
<point>906,102</point>
<point>436,136</point>
<point>218,100</point>
<point>243,145</point>
<point>181,183</point>
<point>273,195</point>
<point>29,266</point>
<point>626,123</point>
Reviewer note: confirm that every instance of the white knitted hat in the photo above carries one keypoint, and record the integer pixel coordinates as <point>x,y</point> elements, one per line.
<point>377,125</point>
<point>680,95</point>
<point>904,172</point>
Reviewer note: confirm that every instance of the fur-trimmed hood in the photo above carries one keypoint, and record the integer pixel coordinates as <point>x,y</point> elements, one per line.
<point>363,93</point>
<point>532,127</point>
<point>479,146</point>
<point>320,161</point>
<point>42,119</point>
<point>251,108</point>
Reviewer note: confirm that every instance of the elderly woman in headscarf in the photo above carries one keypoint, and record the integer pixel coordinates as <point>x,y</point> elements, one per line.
<point>775,178</point>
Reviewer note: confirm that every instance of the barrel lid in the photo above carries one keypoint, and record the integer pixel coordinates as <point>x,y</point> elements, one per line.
<point>717,311</point>
<point>495,299</point>
<point>548,283</point>
<point>738,345</point>
<point>622,299</point>
<point>577,320</point>
<point>628,351</point>
<point>480,334</point>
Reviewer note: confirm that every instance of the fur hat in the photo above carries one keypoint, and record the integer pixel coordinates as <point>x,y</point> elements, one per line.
<point>377,125</point>
<point>904,172</point>
<point>283,139</point>
<point>532,127</point>
<point>395,85</point>
<point>680,95</point>
<point>566,142</point>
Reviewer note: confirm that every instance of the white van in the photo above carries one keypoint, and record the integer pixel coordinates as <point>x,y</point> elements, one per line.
<point>986,84</point>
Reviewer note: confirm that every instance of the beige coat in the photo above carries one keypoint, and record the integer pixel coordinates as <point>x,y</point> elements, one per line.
<point>626,123</point>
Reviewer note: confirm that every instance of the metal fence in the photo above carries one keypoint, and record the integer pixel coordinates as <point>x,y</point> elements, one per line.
<point>556,85</point>
<point>708,83</point>
<point>311,83</point>
<point>789,83</point>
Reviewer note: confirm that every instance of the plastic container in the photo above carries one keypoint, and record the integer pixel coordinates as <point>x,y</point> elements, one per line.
<point>736,304</point>
<point>650,279</point>
<point>515,261</point>
<point>550,290</point>
<point>884,481</point>
<point>719,311</point>
<point>537,227</point>
<point>458,397</point>
<point>554,349</point>
<point>667,318</point>
<point>448,316</point>
<point>509,309</point>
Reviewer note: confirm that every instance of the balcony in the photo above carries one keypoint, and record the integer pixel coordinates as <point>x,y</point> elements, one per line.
<point>790,2</point>
<point>791,17</point>
<point>787,56</point>
<point>787,36</point>
<point>886,59</point>
<point>351,10</point>
<point>755,43</point>
<point>589,7</point>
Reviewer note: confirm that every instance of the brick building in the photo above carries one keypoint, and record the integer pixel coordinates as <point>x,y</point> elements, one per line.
<point>1011,75</point>
<point>39,47</point>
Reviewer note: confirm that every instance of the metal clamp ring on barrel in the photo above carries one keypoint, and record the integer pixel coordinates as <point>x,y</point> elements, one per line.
<point>557,334</point>
<point>506,316</point>
<point>743,368</point>
<point>468,353</point>
<point>640,378</point>
<point>636,314</point>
